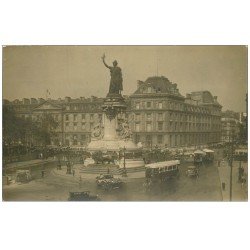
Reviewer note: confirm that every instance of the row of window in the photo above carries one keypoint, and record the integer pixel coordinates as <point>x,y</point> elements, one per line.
<point>177,116</point>
<point>177,140</point>
<point>90,107</point>
<point>76,126</point>
<point>171,105</point>
<point>77,139</point>
<point>68,117</point>
<point>149,90</point>
<point>174,126</point>
<point>76,117</point>
<point>142,105</point>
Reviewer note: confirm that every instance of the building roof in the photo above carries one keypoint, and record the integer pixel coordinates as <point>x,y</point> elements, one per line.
<point>204,98</point>
<point>157,85</point>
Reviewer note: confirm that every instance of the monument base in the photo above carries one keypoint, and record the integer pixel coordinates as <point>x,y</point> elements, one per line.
<point>132,163</point>
<point>111,145</point>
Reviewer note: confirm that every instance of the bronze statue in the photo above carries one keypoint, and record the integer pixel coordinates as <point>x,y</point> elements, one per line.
<point>115,86</point>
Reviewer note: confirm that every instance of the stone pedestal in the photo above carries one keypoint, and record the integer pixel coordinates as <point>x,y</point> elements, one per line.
<point>110,138</point>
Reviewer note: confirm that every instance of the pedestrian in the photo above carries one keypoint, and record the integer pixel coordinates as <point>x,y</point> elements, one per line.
<point>218,163</point>
<point>80,181</point>
<point>243,181</point>
<point>73,172</point>
<point>241,172</point>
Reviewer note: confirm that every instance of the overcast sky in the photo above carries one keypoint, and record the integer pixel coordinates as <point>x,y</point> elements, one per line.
<point>78,70</point>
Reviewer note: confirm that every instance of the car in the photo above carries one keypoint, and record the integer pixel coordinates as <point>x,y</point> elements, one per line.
<point>23,176</point>
<point>192,171</point>
<point>82,196</point>
<point>109,184</point>
<point>104,176</point>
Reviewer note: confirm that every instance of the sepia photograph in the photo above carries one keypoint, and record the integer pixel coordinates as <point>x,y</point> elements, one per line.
<point>125,123</point>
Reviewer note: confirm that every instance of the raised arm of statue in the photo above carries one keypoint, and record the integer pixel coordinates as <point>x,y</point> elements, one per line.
<point>103,59</point>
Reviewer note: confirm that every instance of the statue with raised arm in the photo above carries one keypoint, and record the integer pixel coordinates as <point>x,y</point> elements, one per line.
<point>115,86</point>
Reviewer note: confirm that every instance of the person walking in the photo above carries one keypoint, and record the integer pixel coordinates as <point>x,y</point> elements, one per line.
<point>43,172</point>
<point>80,181</point>
<point>243,181</point>
<point>73,172</point>
<point>241,173</point>
<point>218,163</point>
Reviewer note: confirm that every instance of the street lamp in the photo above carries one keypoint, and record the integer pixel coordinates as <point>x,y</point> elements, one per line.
<point>230,159</point>
<point>59,165</point>
<point>124,174</point>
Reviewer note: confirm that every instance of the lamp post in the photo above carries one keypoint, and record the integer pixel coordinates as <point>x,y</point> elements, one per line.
<point>59,165</point>
<point>230,156</point>
<point>124,174</point>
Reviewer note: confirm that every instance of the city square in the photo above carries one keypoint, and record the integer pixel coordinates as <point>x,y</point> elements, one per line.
<point>155,144</point>
<point>124,125</point>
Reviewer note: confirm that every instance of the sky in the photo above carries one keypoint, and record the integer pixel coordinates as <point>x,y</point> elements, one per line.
<point>75,71</point>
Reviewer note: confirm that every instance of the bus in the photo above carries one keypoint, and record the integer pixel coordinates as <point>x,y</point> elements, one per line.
<point>198,157</point>
<point>162,170</point>
<point>209,157</point>
<point>240,154</point>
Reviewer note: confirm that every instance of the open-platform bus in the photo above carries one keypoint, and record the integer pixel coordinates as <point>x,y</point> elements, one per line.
<point>240,154</point>
<point>162,170</point>
<point>209,155</point>
<point>198,157</point>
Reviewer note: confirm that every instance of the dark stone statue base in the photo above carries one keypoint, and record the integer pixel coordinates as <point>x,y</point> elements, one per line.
<point>114,95</point>
<point>114,101</point>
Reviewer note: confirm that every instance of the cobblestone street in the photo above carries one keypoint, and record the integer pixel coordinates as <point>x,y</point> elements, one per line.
<point>56,185</point>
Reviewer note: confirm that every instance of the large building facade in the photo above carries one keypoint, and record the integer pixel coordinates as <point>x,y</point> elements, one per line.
<point>161,116</point>
<point>231,125</point>
<point>157,113</point>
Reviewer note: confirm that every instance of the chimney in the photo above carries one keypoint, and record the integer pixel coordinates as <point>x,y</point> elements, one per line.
<point>67,99</point>
<point>93,98</point>
<point>40,100</point>
<point>139,83</point>
<point>5,101</point>
<point>33,100</point>
<point>26,101</point>
<point>215,98</point>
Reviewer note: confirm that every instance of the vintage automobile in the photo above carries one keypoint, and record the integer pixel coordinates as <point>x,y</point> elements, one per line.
<point>192,171</point>
<point>23,176</point>
<point>82,196</point>
<point>104,176</point>
<point>6,180</point>
<point>108,182</point>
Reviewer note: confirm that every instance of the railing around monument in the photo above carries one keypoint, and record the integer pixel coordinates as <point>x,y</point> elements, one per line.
<point>135,154</point>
